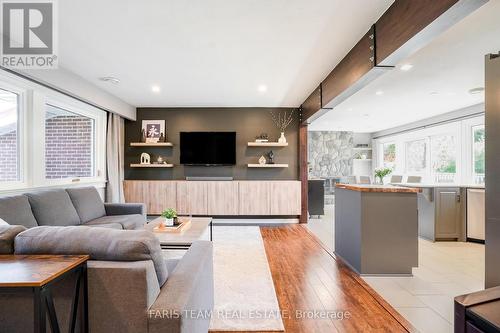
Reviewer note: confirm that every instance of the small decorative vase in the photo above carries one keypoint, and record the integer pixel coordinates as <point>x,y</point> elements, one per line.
<point>282,138</point>
<point>262,160</point>
<point>169,222</point>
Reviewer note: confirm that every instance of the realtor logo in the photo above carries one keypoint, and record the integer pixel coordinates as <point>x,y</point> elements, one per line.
<point>28,34</point>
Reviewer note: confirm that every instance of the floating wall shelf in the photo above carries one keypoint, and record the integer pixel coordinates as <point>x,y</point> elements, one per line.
<point>151,165</point>
<point>361,159</point>
<point>268,165</point>
<point>267,144</point>
<point>147,144</point>
<point>362,148</point>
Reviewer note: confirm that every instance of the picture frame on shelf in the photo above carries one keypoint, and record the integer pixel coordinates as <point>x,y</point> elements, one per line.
<point>154,130</point>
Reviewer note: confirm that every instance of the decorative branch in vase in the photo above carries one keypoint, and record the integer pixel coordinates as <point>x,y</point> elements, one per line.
<point>282,120</point>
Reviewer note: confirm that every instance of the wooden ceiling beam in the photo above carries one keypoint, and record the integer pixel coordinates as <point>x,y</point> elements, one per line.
<point>405,27</point>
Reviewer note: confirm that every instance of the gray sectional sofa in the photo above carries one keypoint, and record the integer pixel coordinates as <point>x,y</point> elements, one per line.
<point>70,207</point>
<point>132,287</point>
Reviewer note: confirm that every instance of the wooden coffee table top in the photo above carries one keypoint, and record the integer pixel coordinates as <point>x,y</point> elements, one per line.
<point>35,270</point>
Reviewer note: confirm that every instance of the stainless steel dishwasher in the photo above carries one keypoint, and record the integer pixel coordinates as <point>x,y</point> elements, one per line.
<point>475,215</point>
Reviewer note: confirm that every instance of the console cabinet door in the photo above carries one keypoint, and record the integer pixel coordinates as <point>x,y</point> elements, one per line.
<point>285,197</point>
<point>254,198</point>
<point>162,195</point>
<point>192,198</point>
<point>136,191</point>
<point>222,198</point>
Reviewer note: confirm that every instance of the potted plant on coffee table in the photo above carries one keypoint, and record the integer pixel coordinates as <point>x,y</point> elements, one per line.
<point>169,214</point>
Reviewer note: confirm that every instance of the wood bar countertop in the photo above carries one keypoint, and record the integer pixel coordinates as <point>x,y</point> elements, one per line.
<point>440,185</point>
<point>379,188</point>
<point>35,270</point>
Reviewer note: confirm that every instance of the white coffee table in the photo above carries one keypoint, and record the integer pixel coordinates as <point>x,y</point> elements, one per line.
<point>200,229</point>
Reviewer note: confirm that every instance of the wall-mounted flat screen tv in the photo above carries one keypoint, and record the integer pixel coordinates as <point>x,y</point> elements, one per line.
<point>208,148</point>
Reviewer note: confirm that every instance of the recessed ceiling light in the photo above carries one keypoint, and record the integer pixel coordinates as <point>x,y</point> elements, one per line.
<point>477,90</point>
<point>155,88</point>
<point>379,93</point>
<point>366,115</point>
<point>262,88</point>
<point>110,79</point>
<point>433,93</point>
<point>406,67</point>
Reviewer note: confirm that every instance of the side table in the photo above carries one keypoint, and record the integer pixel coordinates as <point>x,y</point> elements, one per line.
<point>36,275</point>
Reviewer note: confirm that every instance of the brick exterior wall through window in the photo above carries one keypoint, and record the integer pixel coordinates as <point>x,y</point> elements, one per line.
<point>68,146</point>
<point>8,156</point>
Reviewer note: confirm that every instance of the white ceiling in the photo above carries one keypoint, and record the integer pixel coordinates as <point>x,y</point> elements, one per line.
<point>211,52</point>
<point>442,74</point>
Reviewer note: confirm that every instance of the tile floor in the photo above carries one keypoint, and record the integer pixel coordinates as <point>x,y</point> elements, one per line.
<point>322,227</point>
<point>446,270</point>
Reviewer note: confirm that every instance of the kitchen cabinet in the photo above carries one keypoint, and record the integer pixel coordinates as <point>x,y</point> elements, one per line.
<point>441,213</point>
<point>448,223</point>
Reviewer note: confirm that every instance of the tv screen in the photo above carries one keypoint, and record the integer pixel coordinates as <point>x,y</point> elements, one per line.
<point>208,148</point>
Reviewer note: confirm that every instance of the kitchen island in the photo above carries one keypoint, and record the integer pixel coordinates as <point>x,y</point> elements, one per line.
<point>376,228</point>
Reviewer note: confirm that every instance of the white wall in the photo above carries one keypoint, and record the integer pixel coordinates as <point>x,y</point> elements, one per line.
<point>72,84</point>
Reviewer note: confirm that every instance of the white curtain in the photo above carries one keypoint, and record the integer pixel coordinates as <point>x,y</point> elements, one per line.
<point>114,158</point>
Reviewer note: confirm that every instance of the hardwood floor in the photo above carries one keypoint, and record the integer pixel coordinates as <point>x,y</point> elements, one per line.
<point>307,278</point>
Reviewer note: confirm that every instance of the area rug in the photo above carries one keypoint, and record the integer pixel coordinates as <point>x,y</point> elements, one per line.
<point>245,299</point>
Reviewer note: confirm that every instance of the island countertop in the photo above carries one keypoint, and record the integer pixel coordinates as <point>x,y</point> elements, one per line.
<point>379,188</point>
<point>439,185</point>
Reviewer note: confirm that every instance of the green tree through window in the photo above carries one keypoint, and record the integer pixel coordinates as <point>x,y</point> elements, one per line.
<point>479,136</point>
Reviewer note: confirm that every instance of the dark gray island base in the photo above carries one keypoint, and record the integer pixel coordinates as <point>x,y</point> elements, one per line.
<point>376,228</point>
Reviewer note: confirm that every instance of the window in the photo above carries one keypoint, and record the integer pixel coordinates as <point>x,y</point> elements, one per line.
<point>9,137</point>
<point>69,144</point>
<point>444,158</point>
<point>48,138</point>
<point>389,155</point>
<point>416,155</point>
<point>478,165</point>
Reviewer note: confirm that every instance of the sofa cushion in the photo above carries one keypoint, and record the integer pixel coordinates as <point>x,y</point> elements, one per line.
<point>7,235</point>
<point>16,210</point>
<point>87,202</point>
<point>171,263</point>
<point>53,208</point>
<point>99,243</point>
<point>105,225</point>
<point>129,222</point>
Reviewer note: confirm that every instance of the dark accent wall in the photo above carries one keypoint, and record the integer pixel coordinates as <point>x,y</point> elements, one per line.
<point>246,122</point>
